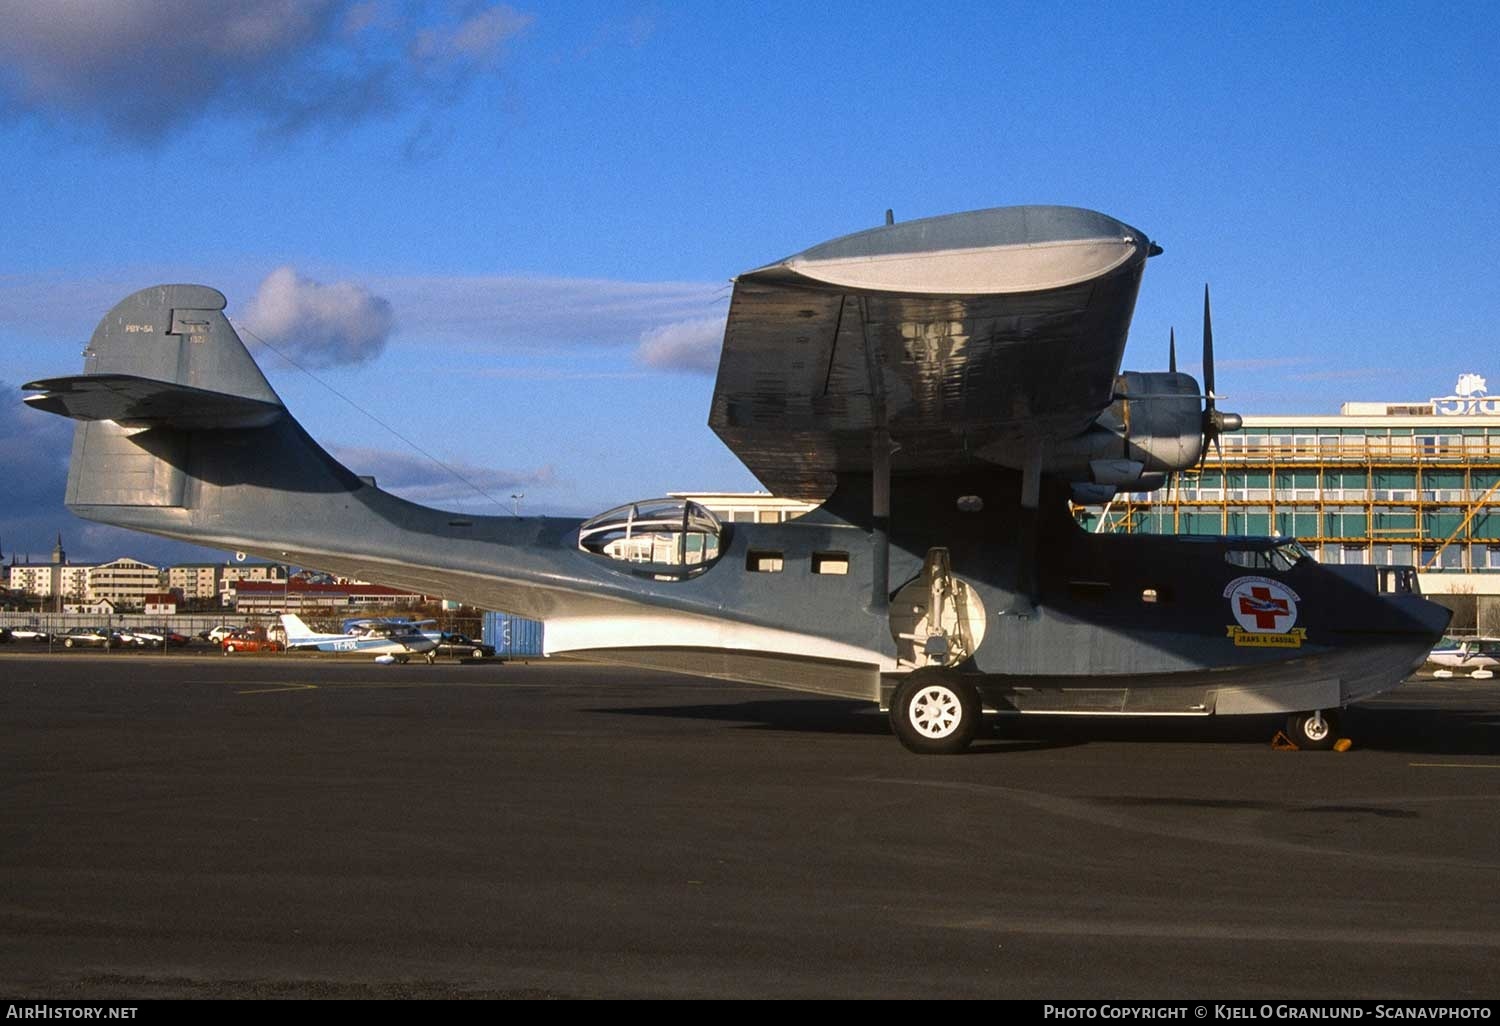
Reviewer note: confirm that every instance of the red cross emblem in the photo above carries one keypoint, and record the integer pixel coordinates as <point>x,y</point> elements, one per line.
<point>1265,608</point>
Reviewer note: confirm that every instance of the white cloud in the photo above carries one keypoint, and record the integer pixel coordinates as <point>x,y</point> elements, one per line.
<point>510,311</point>
<point>479,38</point>
<point>146,67</point>
<point>420,479</point>
<point>691,345</point>
<point>322,325</point>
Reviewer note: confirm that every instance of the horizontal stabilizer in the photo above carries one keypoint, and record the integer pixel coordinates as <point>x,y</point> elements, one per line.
<point>136,401</point>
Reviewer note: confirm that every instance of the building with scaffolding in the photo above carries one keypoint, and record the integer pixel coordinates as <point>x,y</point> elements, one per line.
<point>1414,483</point>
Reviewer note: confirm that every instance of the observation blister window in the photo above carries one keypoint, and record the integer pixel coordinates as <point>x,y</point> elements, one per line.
<point>668,538</point>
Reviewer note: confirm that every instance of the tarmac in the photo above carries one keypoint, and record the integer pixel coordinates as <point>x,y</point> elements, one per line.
<point>281,827</point>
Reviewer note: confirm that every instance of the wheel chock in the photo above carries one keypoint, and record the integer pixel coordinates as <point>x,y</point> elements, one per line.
<point>1343,744</point>
<point>1282,743</point>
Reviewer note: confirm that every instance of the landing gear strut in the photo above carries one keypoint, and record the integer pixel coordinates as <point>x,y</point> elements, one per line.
<point>1316,730</point>
<point>935,714</point>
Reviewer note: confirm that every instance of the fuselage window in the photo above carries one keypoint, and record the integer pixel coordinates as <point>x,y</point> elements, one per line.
<point>761,562</point>
<point>657,532</point>
<point>830,563</point>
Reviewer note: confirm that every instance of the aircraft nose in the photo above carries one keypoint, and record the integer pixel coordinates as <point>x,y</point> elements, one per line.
<point>1415,615</point>
<point>1433,617</point>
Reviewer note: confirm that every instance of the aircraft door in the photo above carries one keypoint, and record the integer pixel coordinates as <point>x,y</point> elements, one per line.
<point>936,618</point>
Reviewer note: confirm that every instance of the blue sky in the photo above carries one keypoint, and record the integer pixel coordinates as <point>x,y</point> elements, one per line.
<point>508,230</point>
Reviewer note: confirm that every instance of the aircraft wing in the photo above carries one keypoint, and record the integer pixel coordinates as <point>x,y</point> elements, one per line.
<point>969,338</point>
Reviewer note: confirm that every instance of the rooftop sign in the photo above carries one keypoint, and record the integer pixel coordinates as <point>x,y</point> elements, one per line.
<point>1468,398</point>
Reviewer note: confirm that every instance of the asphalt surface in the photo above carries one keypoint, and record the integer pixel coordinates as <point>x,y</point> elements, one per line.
<point>266,827</point>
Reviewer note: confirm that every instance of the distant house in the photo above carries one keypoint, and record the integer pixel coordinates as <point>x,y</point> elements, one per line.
<point>161,604</point>
<point>98,607</point>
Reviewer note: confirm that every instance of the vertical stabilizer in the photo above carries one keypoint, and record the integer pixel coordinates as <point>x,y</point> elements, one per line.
<point>165,362</point>
<point>296,630</point>
<point>176,334</point>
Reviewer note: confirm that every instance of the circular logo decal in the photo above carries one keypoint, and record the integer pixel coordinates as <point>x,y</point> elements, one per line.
<point>1261,605</point>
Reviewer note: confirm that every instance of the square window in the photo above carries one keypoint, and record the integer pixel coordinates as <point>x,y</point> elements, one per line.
<point>759,561</point>
<point>830,563</point>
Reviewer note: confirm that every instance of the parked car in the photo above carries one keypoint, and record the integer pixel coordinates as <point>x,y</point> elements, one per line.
<point>5,637</point>
<point>250,639</point>
<point>95,637</point>
<point>461,646</point>
<point>155,637</point>
<point>218,634</point>
<point>29,634</point>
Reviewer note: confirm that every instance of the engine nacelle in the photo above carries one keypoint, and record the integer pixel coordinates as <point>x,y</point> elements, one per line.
<point>1153,428</point>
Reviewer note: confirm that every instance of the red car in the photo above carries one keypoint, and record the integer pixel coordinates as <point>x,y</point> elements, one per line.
<point>250,639</point>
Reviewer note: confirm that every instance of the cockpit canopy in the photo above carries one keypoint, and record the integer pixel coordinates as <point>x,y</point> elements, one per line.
<point>665,537</point>
<point>1281,555</point>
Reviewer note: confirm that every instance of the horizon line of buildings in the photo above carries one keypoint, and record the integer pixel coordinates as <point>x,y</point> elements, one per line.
<point>127,584</point>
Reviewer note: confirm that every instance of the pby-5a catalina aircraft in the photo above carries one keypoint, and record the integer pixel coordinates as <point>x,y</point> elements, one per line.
<point>942,386</point>
<point>398,641</point>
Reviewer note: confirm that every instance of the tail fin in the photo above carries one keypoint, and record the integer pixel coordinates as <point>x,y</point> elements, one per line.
<point>296,630</point>
<point>180,433</point>
<point>163,362</point>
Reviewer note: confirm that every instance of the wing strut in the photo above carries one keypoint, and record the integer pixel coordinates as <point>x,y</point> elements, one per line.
<point>880,503</point>
<point>1031,500</point>
<point>880,469</point>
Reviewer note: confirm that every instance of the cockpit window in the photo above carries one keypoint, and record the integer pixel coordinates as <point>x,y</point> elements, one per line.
<point>1281,556</point>
<point>657,533</point>
<point>1288,554</point>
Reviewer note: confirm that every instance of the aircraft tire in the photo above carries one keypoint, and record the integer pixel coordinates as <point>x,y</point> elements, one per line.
<point>1305,730</point>
<point>935,714</point>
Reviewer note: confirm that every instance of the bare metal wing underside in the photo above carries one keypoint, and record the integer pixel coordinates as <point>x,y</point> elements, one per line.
<point>968,338</point>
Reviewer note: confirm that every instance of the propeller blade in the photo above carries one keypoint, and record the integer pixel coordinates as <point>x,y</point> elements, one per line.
<point>1172,350</point>
<point>1208,351</point>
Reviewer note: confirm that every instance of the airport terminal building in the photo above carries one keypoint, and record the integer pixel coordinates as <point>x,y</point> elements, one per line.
<point>1415,483</point>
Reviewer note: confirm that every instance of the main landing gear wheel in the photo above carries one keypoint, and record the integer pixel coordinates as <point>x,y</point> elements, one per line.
<point>1316,730</point>
<point>935,714</point>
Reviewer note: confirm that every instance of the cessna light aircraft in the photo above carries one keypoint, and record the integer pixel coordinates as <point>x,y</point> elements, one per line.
<point>397,641</point>
<point>943,386</point>
<point>1479,656</point>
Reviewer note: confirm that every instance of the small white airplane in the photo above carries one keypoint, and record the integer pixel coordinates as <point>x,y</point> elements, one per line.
<point>1479,656</point>
<point>388,642</point>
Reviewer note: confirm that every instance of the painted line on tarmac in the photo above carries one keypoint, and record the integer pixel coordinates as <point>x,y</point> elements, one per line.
<point>1456,765</point>
<point>284,687</point>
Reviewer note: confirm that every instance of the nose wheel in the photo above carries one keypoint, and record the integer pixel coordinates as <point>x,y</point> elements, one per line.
<point>1316,730</point>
